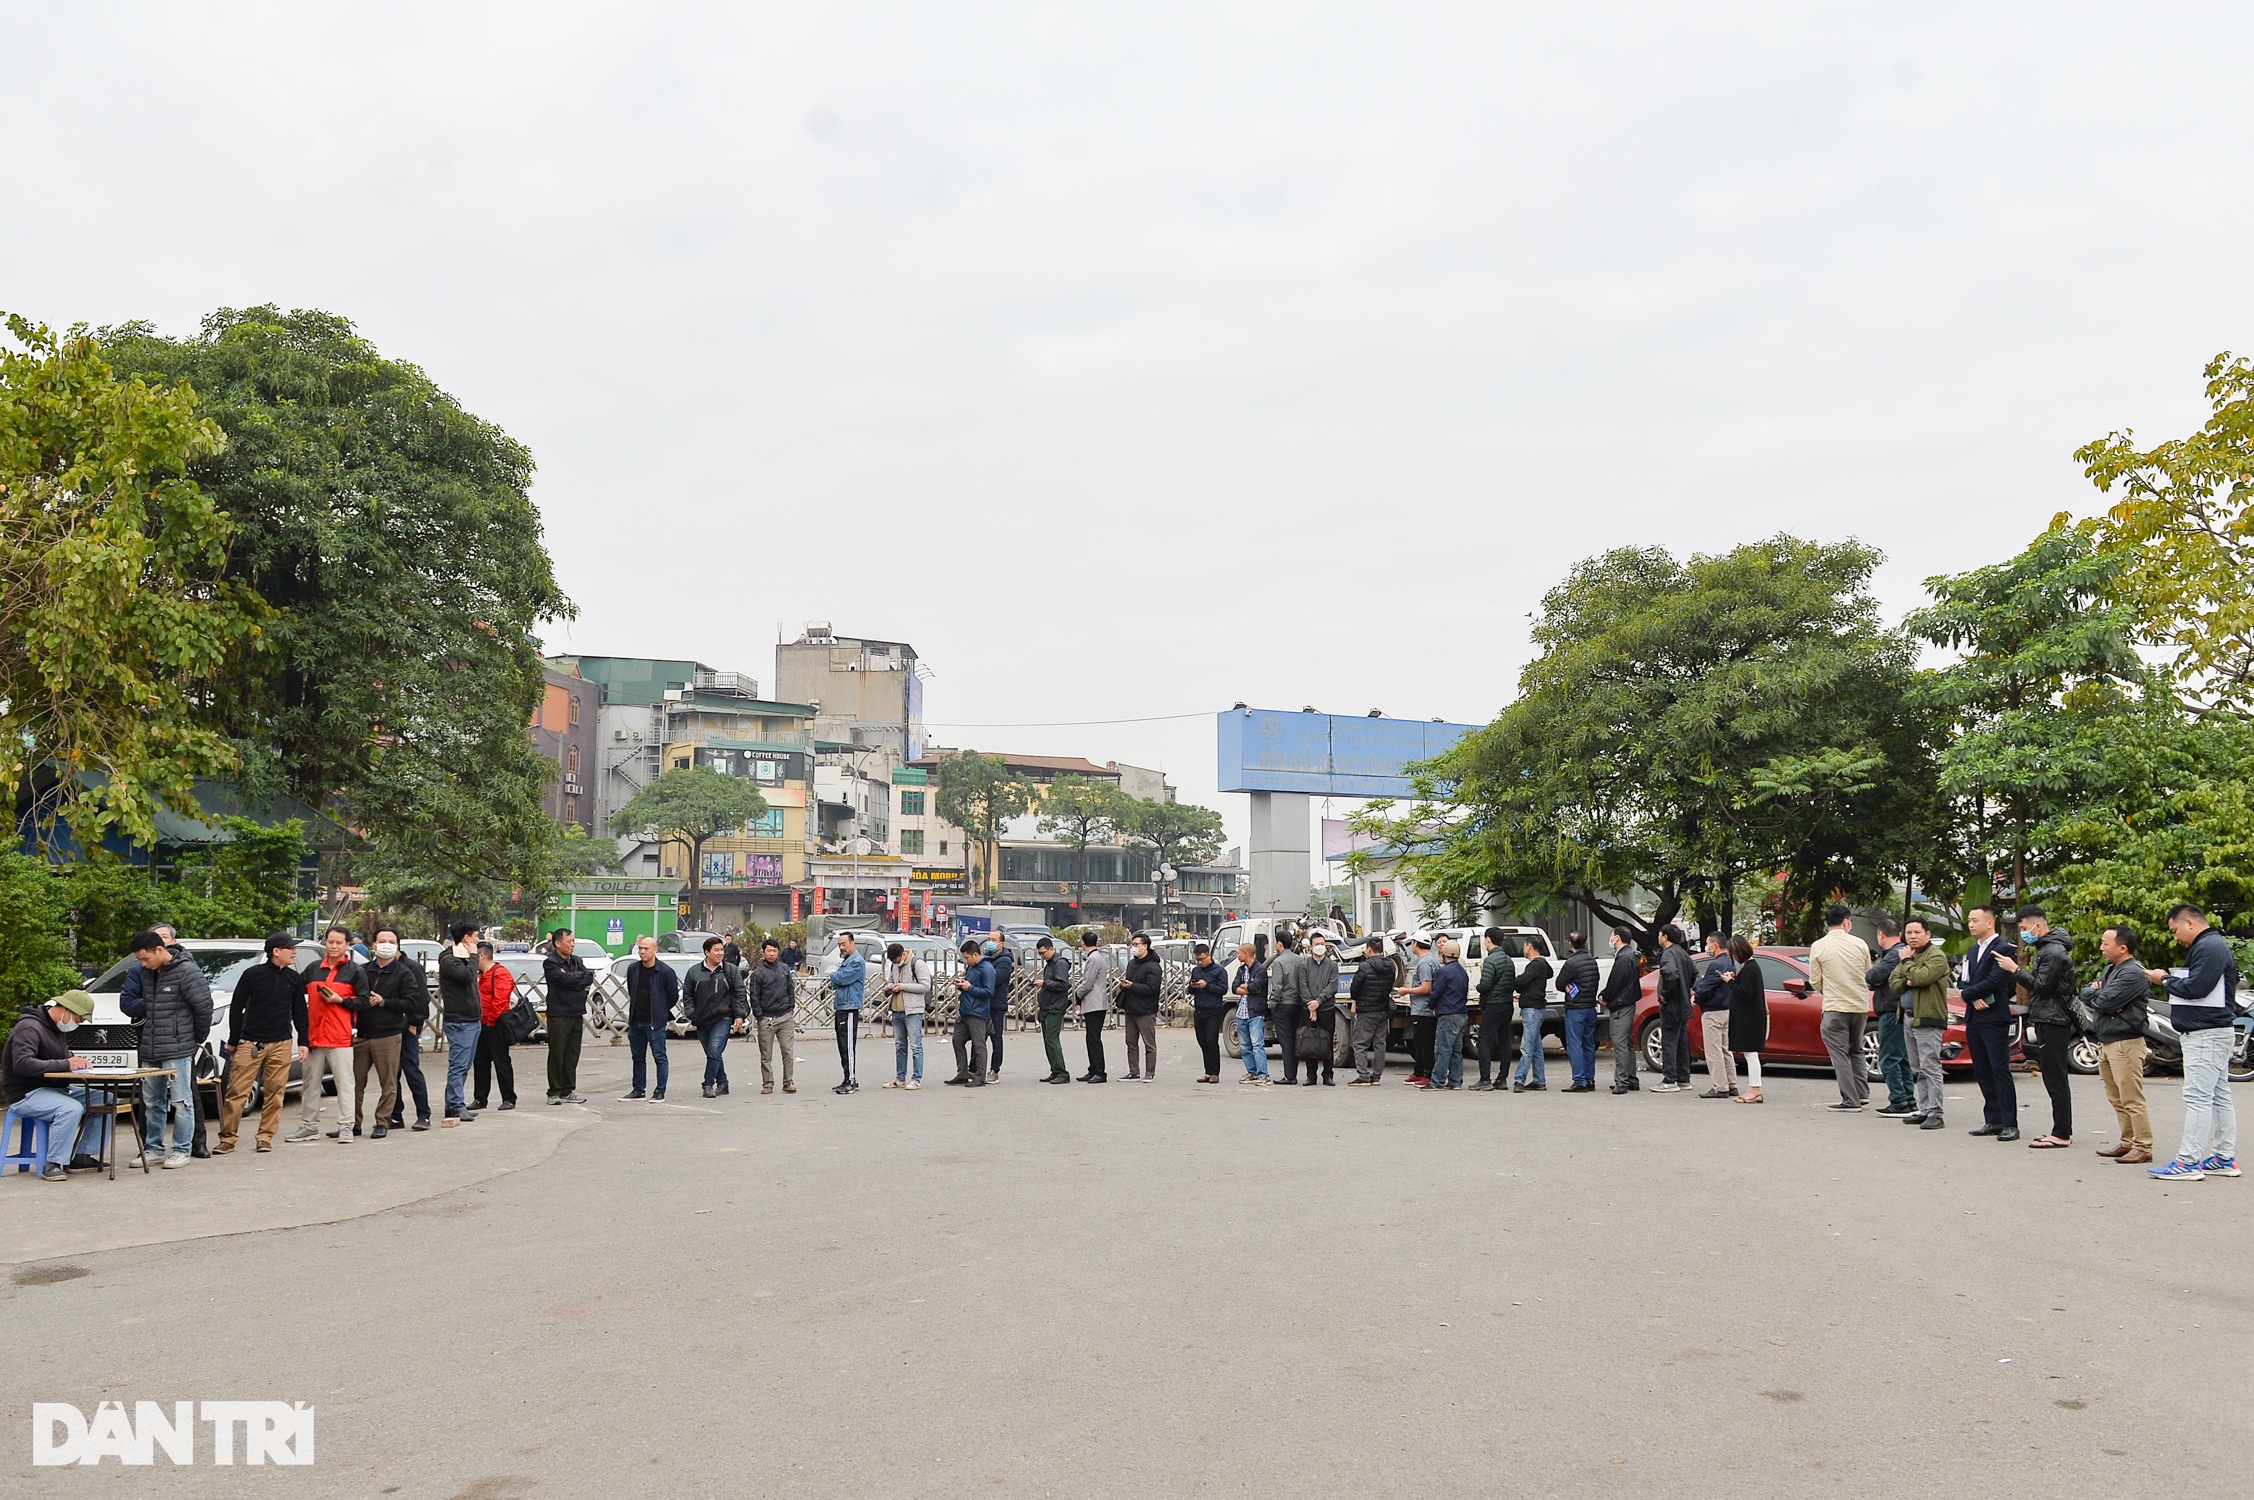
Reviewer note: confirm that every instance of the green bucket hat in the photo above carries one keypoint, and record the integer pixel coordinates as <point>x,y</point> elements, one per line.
<point>77,1002</point>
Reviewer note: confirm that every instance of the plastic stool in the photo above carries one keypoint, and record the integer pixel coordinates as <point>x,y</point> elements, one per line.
<point>30,1154</point>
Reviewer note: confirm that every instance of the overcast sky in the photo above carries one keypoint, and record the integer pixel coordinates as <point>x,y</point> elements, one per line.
<point>1134,360</point>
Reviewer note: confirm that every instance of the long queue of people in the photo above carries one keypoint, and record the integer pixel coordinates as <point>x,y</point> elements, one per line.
<point>346,1020</point>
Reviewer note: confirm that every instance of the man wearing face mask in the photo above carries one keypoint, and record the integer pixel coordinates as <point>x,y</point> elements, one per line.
<point>36,1047</point>
<point>1318,981</point>
<point>398,982</point>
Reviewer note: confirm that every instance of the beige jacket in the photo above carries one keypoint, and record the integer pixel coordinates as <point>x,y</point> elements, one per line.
<point>1836,966</point>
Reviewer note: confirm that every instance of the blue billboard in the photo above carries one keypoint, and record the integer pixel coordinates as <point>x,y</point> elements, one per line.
<point>1326,755</point>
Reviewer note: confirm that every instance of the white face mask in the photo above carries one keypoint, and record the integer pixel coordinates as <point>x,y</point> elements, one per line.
<point>387,951</point>
<point>1317,950</point>
<point>67,1026</point>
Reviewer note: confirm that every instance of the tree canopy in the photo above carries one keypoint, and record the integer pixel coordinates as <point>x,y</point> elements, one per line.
<point>392,535</point>
<point>978,794</point>
<point>1685,722</point>
<point>690,805</point>
<point>1077,811</point>
<point>119,614</point>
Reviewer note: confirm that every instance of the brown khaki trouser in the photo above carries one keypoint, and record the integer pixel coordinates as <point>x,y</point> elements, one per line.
<point>268,1065</point>
<point>1721,1069</point>
<point>382,1054</point>
<point>2121,1065</point>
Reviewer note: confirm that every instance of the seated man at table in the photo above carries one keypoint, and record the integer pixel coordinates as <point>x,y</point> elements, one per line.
<point>38,1046</point>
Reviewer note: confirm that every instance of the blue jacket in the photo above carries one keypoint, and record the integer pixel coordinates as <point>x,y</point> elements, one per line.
<point>978,1001</point>
<point>2201,998</point>
<point>1215,995</point>
<point>1005,964</point>
<point>1985,979</point>
<point>1712,992</point>
<point>1451,990</point>
<point>1254,1001</point>
<point>845,984</point>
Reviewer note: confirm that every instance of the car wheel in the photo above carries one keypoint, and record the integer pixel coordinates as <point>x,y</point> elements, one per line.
<point>1651,1047</point>
<point>1342,1050</point>
<point>1231,1042</point>
<point>2082,1054</point>
<point>1872,1072</point>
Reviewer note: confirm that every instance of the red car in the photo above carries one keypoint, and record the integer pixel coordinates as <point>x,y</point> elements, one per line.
<point>1795,1016</point>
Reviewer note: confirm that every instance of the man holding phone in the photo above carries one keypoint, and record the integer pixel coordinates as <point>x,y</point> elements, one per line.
<point>463,1015</point>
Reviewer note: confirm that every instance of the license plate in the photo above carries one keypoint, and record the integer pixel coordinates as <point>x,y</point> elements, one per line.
<point>107,1059</point>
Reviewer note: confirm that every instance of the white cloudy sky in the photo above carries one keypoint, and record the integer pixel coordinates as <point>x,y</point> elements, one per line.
<point>1135,359</point>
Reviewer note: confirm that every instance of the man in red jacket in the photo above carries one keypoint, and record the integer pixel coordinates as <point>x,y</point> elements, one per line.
<point>496,992</point>
<point>334,994</point>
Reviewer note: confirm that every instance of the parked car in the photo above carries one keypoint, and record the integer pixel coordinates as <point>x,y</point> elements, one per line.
<point>1795,1019</point>
<point>681,941</point>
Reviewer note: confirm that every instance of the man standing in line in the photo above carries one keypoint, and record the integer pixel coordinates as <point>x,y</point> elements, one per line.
<point>1623,987</point>
<point>176,1001</point>
<point>1987,991</point>
<point>569,979</point>
<point>463,1016</point>
<point>1209,1009</point>
<point>400,982</point>
<point>496,993</point>
<point>1533,986</point>
<point>1371,995</point>
<point>652,990</point>
<point>1451,999</point>
<point>1287,1001</point>
<point>714,998</point>
<point>2202,1006</point>
<point>1252,1013</point>
<point>1421,1025</point>
<point>1055,1001</point>
<point>380,1025</point>
<point>2048,982</point>
<point>1577,988</point>
<point>1319,978</point>
<point>1498,982</point>
<point>1837,965</point>
<point>1091,996</point>
<point>1004,960</point>
<point>774,1009</point>
<point>1893,1047</point>
<point>1922,980</point>
<point>2120,1001</point>
<point>1712,993</point>
<point>974,1007</point>
<point>1142,987</point>
<point>847,982</point>
<point>1676,977</point>
<point>793,956</point>
<point>336,991</point>
<point>265,1034</point>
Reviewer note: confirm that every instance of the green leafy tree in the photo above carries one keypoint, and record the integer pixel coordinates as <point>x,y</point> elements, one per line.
<point>1178,833</point>
<point>2049,680</point>
<point>394,535</point>
<point>246,884</point>
<point>978,794</point>
<point>2181,529</point>
<point>117,616</point>
<point>106,901</point>
<point>1685,722</point>
<point>1077,812</point>
<point>35,963</point>
<point>690,805</point>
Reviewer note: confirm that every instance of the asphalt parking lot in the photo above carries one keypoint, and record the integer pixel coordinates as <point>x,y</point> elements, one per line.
<point>1165,1288</point>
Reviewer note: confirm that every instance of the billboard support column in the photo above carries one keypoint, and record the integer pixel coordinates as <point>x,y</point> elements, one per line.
<point>1280,861</point>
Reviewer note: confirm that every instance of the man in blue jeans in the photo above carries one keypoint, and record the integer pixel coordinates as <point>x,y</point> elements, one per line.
<point>1451,1003</point>
<point>36,1047</point>
<point>1577,984</point>
<point>1533,987</point>
<point>463,1013</point>
<point>2202,997</point>
<point>1252,1013</point>
<point>175,1016</point>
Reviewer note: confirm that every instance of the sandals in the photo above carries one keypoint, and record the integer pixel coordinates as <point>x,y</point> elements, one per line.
<point>2049,1143</point>
<point>1751,1096</point>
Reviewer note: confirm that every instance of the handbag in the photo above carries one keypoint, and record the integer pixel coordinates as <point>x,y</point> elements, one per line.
<point>519,1022</point>
<point>1312,1041</point>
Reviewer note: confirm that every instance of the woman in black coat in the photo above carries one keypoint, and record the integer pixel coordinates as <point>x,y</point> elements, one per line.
<point>1749,1015</point>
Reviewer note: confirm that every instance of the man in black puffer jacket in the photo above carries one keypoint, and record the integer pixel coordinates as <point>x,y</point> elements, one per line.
<point>569,980</point>
<point>176,1017</point>
<point>2048,983</point>
<point>1139,994</point>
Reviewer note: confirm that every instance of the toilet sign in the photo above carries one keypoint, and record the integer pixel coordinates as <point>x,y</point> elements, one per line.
<point>615,931</point>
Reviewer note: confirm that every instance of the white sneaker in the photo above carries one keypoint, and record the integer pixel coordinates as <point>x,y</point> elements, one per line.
<point>174,1159</point>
